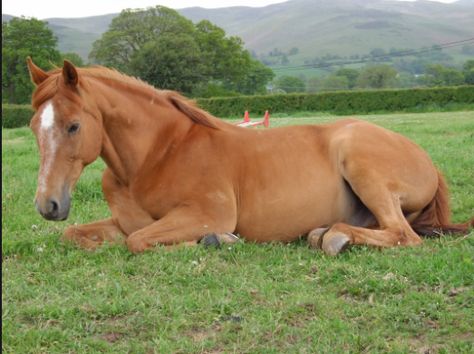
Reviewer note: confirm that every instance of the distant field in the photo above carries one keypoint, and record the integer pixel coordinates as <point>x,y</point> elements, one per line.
<point>295,69</point>
<point>246,298</point>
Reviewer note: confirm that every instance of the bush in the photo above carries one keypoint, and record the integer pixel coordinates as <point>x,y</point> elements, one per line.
<point>342,102</point>
<point>16,115</point>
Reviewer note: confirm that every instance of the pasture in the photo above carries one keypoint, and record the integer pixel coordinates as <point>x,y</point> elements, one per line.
<point>243,298</point>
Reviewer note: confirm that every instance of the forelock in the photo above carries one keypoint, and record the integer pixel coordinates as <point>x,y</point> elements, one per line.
<point>45,91</point>
<point>49,88</point>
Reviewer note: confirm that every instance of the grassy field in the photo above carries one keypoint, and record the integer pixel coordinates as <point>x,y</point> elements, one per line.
<point>246,298</point>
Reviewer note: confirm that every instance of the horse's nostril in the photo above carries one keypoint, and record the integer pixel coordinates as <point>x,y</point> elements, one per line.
<point>53,207</point>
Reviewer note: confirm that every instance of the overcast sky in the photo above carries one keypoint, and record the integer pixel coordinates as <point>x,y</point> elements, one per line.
<point>81,8</point>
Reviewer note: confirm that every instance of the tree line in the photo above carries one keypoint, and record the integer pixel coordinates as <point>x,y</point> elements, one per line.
<point>157,45</point>
<point>377,76</point>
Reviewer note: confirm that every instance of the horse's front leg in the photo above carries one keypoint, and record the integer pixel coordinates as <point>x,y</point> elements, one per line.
<point>127,217</point>
<point>90,236</point>
<point>181,225</point>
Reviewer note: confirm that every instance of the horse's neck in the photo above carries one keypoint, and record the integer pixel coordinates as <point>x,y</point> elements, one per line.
<point>134,127</point>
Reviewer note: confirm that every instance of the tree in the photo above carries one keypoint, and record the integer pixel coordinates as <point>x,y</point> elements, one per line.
<point>73,57</point>
<point>170,62</point>
<point>453,77</point>
<point>255,80</point>
<point>131,30</point>
<point>21,38</point>
<point>439,75</point>
<point>468,70</point>
<point>350,74</point>
<point>290,84</point>
<point>434,75</point>
<point>166,49</point>
<point>228,64</point>
<point>335,82</point>
<point>377,76</point>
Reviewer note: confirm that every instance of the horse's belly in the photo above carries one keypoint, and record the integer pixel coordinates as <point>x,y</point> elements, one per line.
<point>289,210</point>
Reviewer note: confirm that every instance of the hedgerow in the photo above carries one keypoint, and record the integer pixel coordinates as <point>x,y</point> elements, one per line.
<point>341,102</point>
<point>16,115</point>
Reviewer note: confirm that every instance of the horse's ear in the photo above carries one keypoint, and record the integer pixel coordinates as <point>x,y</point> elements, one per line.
<point>70,73</point>
<point>37,75</point>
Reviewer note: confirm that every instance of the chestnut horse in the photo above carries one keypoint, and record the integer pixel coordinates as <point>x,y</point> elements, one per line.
<point>176,174</point>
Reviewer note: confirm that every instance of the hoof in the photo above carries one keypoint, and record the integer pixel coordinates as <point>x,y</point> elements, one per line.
<point>210,240</point>
<point>315,237</point>
<point>136,244</point>
<point>227,237</point>
<point>216,240</point>
<point>333,244</point>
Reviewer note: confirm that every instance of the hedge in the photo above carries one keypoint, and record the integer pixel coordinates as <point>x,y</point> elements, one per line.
<point>16,115</point>
<point>342,102</point>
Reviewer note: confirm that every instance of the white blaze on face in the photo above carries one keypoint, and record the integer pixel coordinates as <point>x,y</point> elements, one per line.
<point>47,117</point>
<point>47,144</point>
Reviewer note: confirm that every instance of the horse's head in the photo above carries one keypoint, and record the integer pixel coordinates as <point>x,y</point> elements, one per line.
<point>68,130</point>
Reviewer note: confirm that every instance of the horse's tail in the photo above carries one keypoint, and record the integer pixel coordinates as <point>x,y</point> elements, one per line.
<point>435,219</point>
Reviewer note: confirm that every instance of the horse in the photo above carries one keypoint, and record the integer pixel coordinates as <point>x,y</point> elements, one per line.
<point>176,174</point>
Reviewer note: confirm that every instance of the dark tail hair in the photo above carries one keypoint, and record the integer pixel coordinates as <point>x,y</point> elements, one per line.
<point>435,219</point>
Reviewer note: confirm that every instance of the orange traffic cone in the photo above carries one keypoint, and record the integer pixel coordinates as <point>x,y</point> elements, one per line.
<point>246,117</point>
<point>266,119</point>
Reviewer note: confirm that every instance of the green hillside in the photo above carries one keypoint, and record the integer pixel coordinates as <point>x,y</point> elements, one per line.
<point>73,40</point>
<point>342,27</point>
<point>315,27</point>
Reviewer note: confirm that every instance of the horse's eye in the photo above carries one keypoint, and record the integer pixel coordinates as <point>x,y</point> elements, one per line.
<point>73,128</point>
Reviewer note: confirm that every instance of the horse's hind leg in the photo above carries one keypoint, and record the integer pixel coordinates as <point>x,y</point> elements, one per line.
<point>392,227</point>
<point>390,175</point>
<point>394,230</point>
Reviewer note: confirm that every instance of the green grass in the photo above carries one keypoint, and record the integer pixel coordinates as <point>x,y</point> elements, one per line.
<point>245,298</point>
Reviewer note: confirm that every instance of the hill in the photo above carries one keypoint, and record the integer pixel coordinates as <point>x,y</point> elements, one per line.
<point>314,27</point>
<point>343,27</point>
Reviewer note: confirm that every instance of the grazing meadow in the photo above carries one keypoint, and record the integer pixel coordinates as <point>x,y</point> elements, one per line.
<point>243,298</point>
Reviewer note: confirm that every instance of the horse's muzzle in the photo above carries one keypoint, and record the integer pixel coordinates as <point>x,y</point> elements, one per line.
<point>54,209</point>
